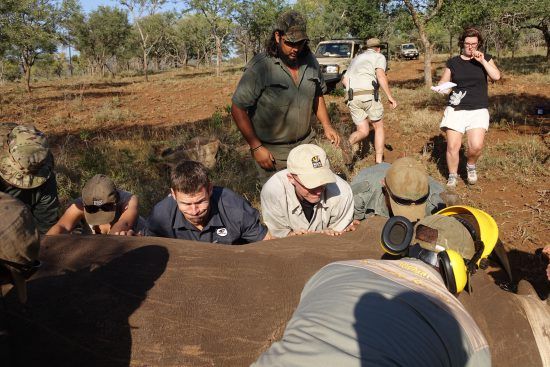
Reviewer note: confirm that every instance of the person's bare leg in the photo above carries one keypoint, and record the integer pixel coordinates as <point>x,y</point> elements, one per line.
<point>361,133</point>
<point>476,138</point>
<point>454,142</point>
<point>475,146</point>
<point>379,140</point>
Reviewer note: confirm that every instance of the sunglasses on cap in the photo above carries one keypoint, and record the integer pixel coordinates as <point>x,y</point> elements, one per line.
<point>107,207</point>
<point>402,201</point>
<point>298,44</point>
<point>26,271</point>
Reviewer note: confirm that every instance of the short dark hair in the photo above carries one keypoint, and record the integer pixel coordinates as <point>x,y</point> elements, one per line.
<point>189,177</point>
<point>470,32</point>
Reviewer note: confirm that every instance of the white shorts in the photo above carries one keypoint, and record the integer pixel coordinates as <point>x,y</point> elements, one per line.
<point>464,120</point>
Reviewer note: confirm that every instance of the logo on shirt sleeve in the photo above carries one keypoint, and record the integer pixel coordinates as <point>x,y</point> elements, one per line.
<point>222,232</point>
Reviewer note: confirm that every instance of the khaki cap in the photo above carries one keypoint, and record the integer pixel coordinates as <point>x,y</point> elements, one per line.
<point>98,191</point>
<point>407,184</point>
<point>293,25</point>
<point>19,240</point>
<point>310,163</point>
<point>25,160</point>
<point>372,42</point>
<point>439,232</point>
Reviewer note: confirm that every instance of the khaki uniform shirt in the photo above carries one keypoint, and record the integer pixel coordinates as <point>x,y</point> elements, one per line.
<point>283,212</point>
<point>362,72</point>
<point>280,109</point>
<point>378,313</point>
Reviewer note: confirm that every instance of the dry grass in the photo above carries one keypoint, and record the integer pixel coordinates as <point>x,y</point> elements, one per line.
<point>524,159</point>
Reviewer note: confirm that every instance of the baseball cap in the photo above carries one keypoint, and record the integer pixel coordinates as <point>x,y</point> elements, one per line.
<point>439,232</point>
<point>19,241</point>
<point>99,197</point>
<point>407,184</point>
<point>310,163</point>
<point>293,25</point>
<point>372,42</point>
<point>25,160</point>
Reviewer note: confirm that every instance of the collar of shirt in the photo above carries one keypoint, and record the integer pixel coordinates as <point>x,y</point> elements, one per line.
<point>301,69</point>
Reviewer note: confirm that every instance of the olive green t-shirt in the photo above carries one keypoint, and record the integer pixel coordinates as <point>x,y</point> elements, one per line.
<point>279,108</point>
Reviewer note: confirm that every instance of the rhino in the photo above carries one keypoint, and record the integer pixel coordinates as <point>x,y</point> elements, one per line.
<point>146,301</point>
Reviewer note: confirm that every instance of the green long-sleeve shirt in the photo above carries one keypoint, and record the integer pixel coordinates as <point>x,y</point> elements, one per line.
<point>42,201</point>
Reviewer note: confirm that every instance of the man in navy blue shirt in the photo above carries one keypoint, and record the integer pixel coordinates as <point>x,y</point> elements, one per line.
<point>198,211</point>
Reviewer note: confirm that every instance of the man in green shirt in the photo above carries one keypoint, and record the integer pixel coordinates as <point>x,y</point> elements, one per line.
<point>278,93</point>
<point>26,172</point>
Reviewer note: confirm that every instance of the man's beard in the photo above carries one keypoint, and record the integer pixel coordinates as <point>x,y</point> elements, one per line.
<point>289,62</point>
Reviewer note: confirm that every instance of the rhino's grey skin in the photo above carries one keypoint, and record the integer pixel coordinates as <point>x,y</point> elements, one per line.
<point>121,301</point>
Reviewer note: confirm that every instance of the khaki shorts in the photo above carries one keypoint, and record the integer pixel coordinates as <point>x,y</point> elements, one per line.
<point>361,110</point>
<point>464,120</point>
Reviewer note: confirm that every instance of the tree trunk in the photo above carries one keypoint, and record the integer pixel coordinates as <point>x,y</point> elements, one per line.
<point>218,55</point>
<point>428,51</point>
<point>145,65</point>
<point>27,69</point>
<point>450,44</point>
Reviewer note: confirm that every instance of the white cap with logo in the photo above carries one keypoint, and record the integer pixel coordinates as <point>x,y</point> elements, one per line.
<point>310,163</point>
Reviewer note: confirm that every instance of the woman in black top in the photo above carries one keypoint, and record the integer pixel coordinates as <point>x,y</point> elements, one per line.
<point>467,107</point>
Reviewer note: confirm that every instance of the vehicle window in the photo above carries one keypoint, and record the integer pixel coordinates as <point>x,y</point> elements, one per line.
<point>408,47</point>
<point>333,50</point>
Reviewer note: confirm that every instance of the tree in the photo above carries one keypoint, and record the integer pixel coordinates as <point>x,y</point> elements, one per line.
<point>422,12</point>
<point>518,15</point>
<point>255,21</point>
<point>218,14</point>
<point>30,26</point>
<point>140,9</point>
<point>102,36</point>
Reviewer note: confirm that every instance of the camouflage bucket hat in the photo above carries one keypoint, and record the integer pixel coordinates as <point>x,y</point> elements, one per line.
<point>438,233</point>
<point>25,160</point>
<point>293,25</point>
<point>19,240</point>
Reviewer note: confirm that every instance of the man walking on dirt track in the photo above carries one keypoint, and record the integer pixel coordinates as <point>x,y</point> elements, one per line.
<point>366,75</point>
<point>277,94</point>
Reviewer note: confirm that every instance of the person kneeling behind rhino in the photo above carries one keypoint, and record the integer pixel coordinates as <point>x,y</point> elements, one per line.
<point>395,312</point>
<point>19,248</point>
<point>402,188</point>
<point>102,209</point>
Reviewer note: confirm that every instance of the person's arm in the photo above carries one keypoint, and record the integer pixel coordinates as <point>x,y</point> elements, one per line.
<point>273,200</point>
<point>46,209</point>
<point>445,77</point>
<point>321,112</point>
<point>490,67</point>
<point>125,224</point>
<point>261,154</point>
<point>383,81</point>
<point>252,230</point>
<point>345,80</point>
<point>546,251</point>
<point>343,215</point>
<point>68,220</point>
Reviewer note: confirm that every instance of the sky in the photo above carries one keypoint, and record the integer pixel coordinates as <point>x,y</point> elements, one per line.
<point>90,5</point>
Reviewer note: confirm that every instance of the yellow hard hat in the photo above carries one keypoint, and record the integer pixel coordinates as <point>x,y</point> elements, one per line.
<point>485,225</point>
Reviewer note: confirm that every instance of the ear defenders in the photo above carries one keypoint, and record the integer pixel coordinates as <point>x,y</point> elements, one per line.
<point>396,239</point>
